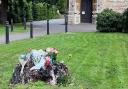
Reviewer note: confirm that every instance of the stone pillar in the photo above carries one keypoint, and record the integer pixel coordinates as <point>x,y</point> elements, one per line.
<point>74,11</point>
<point>71,11</point>
<point>77,11</point>
<point>98,6</point>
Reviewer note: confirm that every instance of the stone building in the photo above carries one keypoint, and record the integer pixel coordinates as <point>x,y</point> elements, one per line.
<point>85,11</point>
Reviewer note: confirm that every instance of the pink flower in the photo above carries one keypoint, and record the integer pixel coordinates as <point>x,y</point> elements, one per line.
<point>49,49</point>
<point>47,58</point>
<point>52,50</point>
<point>47,62</point>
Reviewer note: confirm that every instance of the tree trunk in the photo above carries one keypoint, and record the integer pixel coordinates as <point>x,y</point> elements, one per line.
<point>3,11</point>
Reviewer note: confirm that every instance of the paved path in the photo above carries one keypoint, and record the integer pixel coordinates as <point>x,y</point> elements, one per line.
<point>56,26</point>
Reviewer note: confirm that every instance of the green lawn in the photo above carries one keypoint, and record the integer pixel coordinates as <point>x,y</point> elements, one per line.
<point>17,28</point>
<point>97,60</point>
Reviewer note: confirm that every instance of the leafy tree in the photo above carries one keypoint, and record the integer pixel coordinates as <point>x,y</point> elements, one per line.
<point>23,8</point>
<point>18,9</point>
<point>62,5</point>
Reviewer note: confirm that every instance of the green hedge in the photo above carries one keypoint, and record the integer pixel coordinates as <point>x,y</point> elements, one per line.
<point>17,12</point>
<point>40,11</point>
<point>109,21</point>
<point>29,11</point>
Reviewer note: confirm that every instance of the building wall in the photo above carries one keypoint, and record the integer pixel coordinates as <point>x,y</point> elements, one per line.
<point>116,5</point>
<point>74,8</point>
<point>77,11</point>
<point>71,11</point>
<point>74,11</point>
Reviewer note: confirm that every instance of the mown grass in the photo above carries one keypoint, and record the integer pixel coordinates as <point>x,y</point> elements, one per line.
<point>95,60</point>
<point>17,28</point>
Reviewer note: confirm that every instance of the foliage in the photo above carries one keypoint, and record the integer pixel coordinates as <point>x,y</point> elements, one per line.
<point>109,21</point>
<point>62,5</point>
<point>3,13</point>
<point>17,9</point>
<point>52,12</point>
<point>64,80</point>
<point>125,21</point>
<point>40,11</point>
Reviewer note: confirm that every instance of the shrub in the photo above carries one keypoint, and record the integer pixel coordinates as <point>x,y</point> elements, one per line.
<point>125,21</point>
<point>28,10</point>
<point>62,5</point>
<point>19,8</point>
<point>109,21</point>
<point>40,11</point>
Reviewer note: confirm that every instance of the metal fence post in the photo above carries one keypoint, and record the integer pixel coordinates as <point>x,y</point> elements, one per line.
<point>47,19</point>
<point>66,16</point>
<point>24,22</point>
<point>7,32</point>
<point>66,23</point>
<point>31,29</point>
<point>47,26</point>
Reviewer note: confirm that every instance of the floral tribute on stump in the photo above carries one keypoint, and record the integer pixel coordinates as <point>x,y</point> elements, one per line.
<point>39,65</point>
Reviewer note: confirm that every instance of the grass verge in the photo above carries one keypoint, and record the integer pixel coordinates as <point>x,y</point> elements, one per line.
<point>95,60</point>
<point>18,28</point>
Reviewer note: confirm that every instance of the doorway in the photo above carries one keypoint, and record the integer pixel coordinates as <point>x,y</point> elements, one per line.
<point>86,11</point>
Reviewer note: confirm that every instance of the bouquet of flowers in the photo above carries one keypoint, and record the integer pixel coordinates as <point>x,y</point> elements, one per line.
<point>52,53</point>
